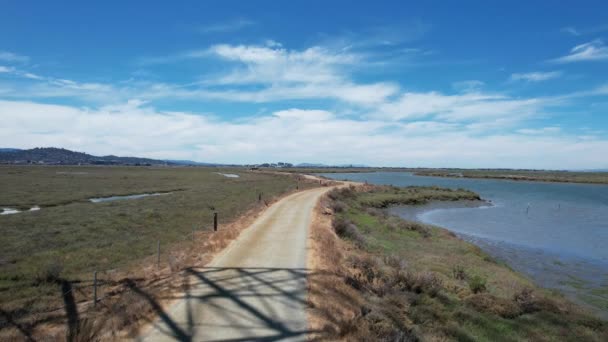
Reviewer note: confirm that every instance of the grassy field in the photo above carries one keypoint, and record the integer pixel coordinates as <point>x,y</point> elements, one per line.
<point>70,237</point>
<point>419,282</point>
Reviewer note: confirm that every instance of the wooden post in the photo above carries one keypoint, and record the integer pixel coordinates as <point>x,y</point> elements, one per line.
<point>260,197</point>
<point>95,288</point>
<point>158,253</point>
<point>215,222</point>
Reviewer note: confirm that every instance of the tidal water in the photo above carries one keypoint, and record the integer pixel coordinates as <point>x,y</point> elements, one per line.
<point>127,197</point>
<point>556,233</point>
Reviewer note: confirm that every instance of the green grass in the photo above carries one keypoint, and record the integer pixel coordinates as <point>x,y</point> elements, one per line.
<point>83,236</point>
<point>414,195</point>
<point>501,311</point>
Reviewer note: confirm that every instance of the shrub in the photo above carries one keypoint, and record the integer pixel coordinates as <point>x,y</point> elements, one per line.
<point>395,262</point>
<point>50,273</point>
<point>526,300</point>
<point>375,212</point>
<point>346,229</point>
<point>424,282</point>
<point>429,283</point>
<point>477,284</point>
<point>368,266</point>
<point>458,272</point>
<point>338,206</point>
<point>354,282</point>
<point>485,302</point>
<point>340,225</point>
<point>396,223</point>
<point>342,193</point>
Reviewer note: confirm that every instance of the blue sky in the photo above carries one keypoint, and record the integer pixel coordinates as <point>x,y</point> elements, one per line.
<point>455,84</point>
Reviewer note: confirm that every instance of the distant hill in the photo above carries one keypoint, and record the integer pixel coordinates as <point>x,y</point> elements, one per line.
<point>311,165</point>
<point>9,150</point>
<point>60,156</point>
<point>190,162</point>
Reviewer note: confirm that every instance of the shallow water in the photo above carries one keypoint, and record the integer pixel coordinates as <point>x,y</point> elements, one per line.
<point>556,233</point>
<point>127,197</point>
<point>10,211</point>
<point>228,175</point>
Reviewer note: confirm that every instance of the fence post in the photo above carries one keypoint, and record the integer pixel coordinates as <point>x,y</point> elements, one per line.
<point>95,288</point>
<point>158,253</point>
<point>215,222</point>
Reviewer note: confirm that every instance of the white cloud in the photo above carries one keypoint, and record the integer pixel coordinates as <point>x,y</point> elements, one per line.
<point>538,131</point>
<point>290,74</point>
<point>593,51</point>
<point>459,108</point>
<point>571,30</point>
<point>537,76</point>
<point>32,76</point>
<point>263,64</point>
<point>574,31</point>
<point>50,87</point>
<point>13,57</point>
<point>5,69</point>
<point>291,135</point>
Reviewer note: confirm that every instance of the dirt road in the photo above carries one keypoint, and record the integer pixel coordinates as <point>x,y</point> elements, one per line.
<point>253,290</point>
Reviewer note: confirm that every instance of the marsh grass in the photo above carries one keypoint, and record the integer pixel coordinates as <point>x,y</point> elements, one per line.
<point>423,283</point>
<point>70,237</point>
<point>520,175</point>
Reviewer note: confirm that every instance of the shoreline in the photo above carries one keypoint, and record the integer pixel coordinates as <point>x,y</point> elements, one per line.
<point>380,276</point>
<point>512,178</point>
<point>545,268</point>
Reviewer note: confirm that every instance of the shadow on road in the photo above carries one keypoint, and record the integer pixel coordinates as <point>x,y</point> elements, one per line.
<point>236,304</point>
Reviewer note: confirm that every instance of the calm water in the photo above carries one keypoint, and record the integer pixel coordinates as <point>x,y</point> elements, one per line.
<point>127,197</point>
<point>557,233</point>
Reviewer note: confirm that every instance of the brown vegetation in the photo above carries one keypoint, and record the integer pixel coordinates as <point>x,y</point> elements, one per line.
<point>409,282</point>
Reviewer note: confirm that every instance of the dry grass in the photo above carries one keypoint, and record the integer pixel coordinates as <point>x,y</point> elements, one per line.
<point>426,284</point>
<point>333,304</point>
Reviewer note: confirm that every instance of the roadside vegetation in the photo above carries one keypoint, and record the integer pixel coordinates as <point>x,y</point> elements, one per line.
<point>390,279</point>
<point>69,238</point>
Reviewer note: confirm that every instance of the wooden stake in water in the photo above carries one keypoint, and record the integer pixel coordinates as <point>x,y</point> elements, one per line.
<point>95,288</point>
<point>215,222</point>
